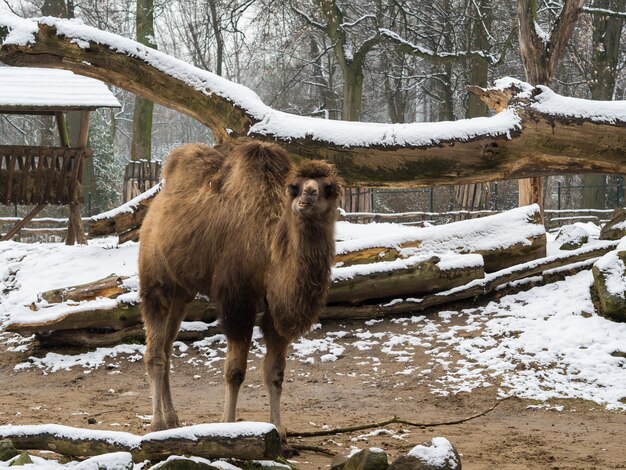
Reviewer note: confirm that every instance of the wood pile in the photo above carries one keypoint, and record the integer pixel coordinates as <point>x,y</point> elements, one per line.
<point>124,221</point>
<point>381,278</point>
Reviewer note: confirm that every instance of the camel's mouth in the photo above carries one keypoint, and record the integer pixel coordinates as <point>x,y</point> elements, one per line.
<point>303,208</point>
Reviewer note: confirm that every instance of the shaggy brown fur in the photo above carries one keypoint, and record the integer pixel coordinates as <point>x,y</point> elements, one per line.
<point>247,230</point>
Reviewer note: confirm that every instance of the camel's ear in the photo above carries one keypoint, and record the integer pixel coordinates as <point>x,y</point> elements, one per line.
<point>293,190</point>
<point>330,190</point>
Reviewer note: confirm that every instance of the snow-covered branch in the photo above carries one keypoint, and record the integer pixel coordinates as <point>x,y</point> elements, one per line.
<point>604,12</point>
<point>536,133</point>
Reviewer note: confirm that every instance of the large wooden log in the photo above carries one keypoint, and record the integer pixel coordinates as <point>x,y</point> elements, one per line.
<point>474,289</point>
<point>110,286</point>
<point>247,441</point>
<point>125,220</point>
<point>499,238</point>
<point>415,278</point>
<point>118,317</point>
<point>522,141</point>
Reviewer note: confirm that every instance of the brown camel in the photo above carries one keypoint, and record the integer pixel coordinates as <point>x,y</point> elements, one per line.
<point>254,234</point>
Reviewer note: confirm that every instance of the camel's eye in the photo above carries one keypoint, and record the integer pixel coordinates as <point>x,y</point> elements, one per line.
<point>293,189</point>
<point>330,190</point>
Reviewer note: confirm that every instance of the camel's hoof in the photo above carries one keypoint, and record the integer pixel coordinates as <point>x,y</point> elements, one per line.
<point>158,426</point>
<point>173,423</point>
<point>287,452</point>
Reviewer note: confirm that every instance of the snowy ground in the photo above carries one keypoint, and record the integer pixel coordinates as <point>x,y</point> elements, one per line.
<point>545,344</point>
<point>539,344</point>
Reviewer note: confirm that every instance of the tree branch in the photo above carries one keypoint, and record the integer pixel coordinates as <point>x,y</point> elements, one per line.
<point>562,31</point>
<point>604,12</point>
<point>394,420</point>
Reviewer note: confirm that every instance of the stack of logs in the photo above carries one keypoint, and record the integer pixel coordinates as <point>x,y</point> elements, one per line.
<point>370,294</point>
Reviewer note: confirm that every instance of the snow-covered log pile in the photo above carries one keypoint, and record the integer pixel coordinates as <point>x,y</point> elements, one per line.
<point>421,268</point>
<point>609,283</point>
<point>125,220</point>
<point>243,440</point>
<point>536,132</point>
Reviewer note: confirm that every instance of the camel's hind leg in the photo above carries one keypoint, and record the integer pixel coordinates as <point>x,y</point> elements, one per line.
<point>237,312</point>
<point>235,373</point>
<point>162,317</point>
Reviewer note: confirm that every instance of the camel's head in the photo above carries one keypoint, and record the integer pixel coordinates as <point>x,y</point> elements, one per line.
<point>314,190</point>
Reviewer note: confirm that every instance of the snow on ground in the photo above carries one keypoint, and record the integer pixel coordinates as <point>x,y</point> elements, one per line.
<point>541,344</point>
<point>27,269</point>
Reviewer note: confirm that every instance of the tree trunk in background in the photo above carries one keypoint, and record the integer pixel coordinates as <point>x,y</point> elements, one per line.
<point>607,31</point>
<point>351,60</point>
<point>57,8</point>
<point>540,55</point>
<point>219,40</point>
<point>476,196</point>
<point>141,145</point>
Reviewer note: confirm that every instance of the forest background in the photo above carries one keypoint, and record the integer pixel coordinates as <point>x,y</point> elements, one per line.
<point>369,60</point>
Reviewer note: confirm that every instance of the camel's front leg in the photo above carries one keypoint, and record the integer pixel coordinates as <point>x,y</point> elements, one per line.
<point>274,374</point>
<point>234,373</point>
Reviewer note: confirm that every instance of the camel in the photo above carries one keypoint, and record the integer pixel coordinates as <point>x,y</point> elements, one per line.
<point>253,233</point>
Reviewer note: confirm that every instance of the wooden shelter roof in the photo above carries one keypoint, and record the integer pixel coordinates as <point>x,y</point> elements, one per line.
<point>27,90</point>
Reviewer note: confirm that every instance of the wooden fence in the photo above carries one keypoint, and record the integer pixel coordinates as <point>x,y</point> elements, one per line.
<point>552,218</point>
<point>140,176</point>
<point>46,229</point>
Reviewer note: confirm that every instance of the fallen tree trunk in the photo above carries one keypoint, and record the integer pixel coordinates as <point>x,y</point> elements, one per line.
<point>535,135</point>
<point>110,287</point>
<point>124,220</point>
<point>247,441</point>
<point>506,239</point>
<point>405,277</point>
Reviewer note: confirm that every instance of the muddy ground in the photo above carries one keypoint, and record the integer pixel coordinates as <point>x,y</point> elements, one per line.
<point>338,393</point>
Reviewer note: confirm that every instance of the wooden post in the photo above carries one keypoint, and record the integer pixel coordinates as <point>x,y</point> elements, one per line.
<point>20,225</point>
<point>64,135</point>
<point>75,230</point>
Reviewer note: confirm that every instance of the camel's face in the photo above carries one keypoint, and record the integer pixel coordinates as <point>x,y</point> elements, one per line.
<point>312,197</point>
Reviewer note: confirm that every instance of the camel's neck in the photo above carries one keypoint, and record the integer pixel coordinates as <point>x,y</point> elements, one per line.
<point>302,254</point>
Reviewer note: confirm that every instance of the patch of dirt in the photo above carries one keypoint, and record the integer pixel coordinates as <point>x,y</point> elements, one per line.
<point>345,392</point>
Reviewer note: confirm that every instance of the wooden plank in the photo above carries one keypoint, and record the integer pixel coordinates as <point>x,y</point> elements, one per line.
<point>10,171</point>
<point>38,192</point>
<point>76,224</point>
<point>65,162</point>
<point>14,231</point>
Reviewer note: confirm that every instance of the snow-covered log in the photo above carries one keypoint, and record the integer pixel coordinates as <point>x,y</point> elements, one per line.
<point>248,441</point>
<point>609,284</point>
<point>570,262</point>
<point>537,133</point>
<point>125,220</point>
<point>415,275</point>
<point>504,240</point>
<point>76,325</point>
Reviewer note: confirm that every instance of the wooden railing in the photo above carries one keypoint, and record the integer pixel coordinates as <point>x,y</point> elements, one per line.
<point>552,218</point>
